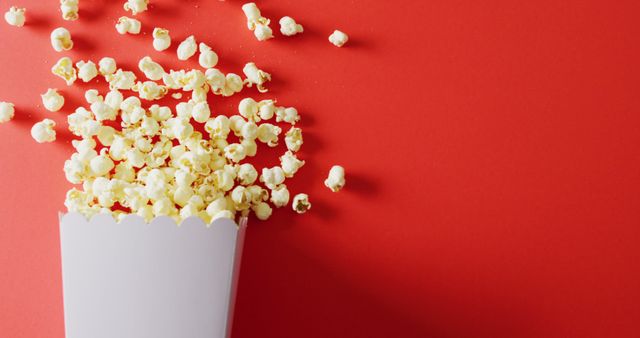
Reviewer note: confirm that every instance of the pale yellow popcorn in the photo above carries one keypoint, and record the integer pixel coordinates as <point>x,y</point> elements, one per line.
<point>69,9</point>
<point>44,131</point>
<point>289,26</point>
<point>61,39</point>
<point>338,38</point>
<point>52,100</point>
<point>92,95</point>
<point>280,196</point>
<point>289,115</point>
<point>15,16</point>
<point>290,164</point>
<point>121,80</point>
<point>151,69</point>
<point>107,66</point>
<point>150,90</point>
<point>268,133</point>
<point>235,152</point>
<point>201,112</point>
<point>161,39</point>
<point>301,203</point>
<point>86,70</point>
<point>262,210</point>
<point>128,25</point>
<point>335,181</point>
<point>247,174</point>
<point>256,76</point>
<point>136,6</point>
<point>64,69</point>
<point>208,58</point>
<point>187,48</point>
<point>101,164</point>
<point>267,109</point>
<point>7,111</point>
<point>256,22</point>
<point>272,177</point>
<point>293,139</point>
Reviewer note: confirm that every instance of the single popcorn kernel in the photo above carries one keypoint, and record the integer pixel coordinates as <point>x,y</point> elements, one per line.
<point>151,69</point>
<point>301,203</point>
<point>64,69</point>
<point>107,66</point>
<point>15,16</point>
<point>289,26</point>
<point>208,58</point>
<point>187,48</point>
<point>128,25</point>
<point>43,131</point>
<point>136,6</point>
<point>256,76</point>
<point>336,179</point>
<point>52,100</point>
<point>161,39</point>
<point>69,9</point>
<point>61,39</point>
<point>7,111</point>
<point>280,196</point>
<point>338,38</point>
<point>86,70</point>
<point>256,23</point>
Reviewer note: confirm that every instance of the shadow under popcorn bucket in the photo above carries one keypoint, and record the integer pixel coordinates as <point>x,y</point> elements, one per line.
<point>159,280</point>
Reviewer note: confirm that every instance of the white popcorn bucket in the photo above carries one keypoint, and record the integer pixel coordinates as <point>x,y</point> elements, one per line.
<point>157,280</point>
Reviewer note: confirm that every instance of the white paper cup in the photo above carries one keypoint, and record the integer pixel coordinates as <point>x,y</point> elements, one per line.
<point>157,280</point>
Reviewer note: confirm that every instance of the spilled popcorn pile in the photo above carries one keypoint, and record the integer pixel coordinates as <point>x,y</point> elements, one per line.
<point>147,159</point>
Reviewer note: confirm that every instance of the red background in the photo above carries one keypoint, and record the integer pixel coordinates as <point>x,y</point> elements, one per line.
<point>491,149</point>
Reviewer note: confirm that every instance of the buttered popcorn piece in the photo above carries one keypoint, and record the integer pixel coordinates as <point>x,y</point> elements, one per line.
<point>151,69</point>
<point>280,196</point>
<point>15,16</point>
<point>92,95</point>
<point>128,25</point>
<point>289,115</point>
<point>161,39</point>
<point>121,79</point>
<point>256,22</point>
<point>293,139</point>
<point>61,39</point>
<point>289,26</point>
<point>335,181</point>
<point>43,131</point>
<point>69,9</point>
<point>262,210</point>
<point>150,90</point>
<point>107,66</point>
<point>52,100</point>
<point>7,111</point>
<point>301,203</point>
<point>272,177</point>
<point>64,69</point>
<point>86,70</point>
<point>290,164</point>
<point>338,38</point>
<point>136,6</point>
<point>256,76</point>
<point>187,48</point>
<point>208,58</point>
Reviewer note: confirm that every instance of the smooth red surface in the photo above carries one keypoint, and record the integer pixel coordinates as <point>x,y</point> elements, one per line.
<point>492,152</point>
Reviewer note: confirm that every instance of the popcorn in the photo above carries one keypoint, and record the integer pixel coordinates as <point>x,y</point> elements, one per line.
<point>150,90</point>
<point>52,101</point>
<point>262,210</point>
<point>290,164</point>
<point>267,109</point>
<point>151,69</point>
<point>201,112</point>
<point>92,96</point>
<point>103,111</point>
<point>208,58</point>
<point>256,76</point>
<point>128,25</point>
<point>86,70</point>
<point>161,39</point>
<point>301,203</point>
<point>293,139</point>
<point>121,79</point>
<point>7,111</point>
<point>15,16</point>
<point>64,69</point>
<point>136,6</point>
<point>272,177</point>
<point>247,174</point>
<point>61,39</point>
<point>43,131</point>
<point>280,196</point>
<point>336,180</point>
<point>338,38</point>
<point>268,133</point>
<point>289,115</point>
<point>256,23</point>
<point>107,66</point>
<point>248,108</point>
<point>69,9</point>
<point>101,164</point>
<point>235,152</point>
<point>187,48</point>
<point>289,26</point>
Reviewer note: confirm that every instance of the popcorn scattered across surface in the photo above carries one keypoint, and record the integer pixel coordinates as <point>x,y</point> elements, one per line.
<point>61,39</point>
<point>43,131</point>
<point>208,58</point>
<point>69,9</point>
<point>136,6</point>
<point>86,70</point>
<point>128,25</point>
<point>161,39</point>
<point>151,69</point>
<point>52,100</point>
<point>289,26</point>
<point>15,16</point>
<point>64,69</point>
<point>335,181</point>
<point>256,23</point>
<point>7,111</point>
<point>256,76</point>
<point>301,203</point>
<point>107,66</point>
<point>338,38</point>
<point>187,48</point>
